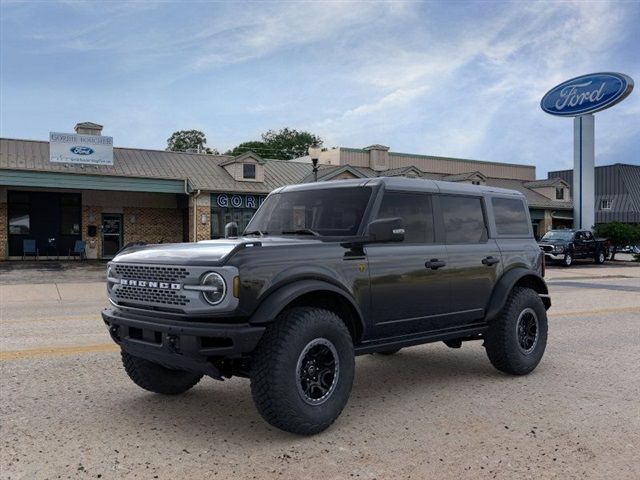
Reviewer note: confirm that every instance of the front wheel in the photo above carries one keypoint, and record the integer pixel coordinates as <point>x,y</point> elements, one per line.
<point>567,261</point>
<point>600,257</point>
<point>302,370</point>
<point>156,378</point>
<point>517,338</point>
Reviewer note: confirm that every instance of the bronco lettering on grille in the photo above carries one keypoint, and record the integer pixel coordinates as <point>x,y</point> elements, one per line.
<point>149,284</point>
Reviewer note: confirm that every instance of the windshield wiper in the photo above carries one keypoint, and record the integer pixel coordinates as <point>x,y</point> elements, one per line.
<point>255,232</point>
<point>301,231</point>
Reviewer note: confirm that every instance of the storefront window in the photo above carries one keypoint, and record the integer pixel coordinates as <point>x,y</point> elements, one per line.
<point>228,207</point>
<point>70,214</point>
<point>19,221</point>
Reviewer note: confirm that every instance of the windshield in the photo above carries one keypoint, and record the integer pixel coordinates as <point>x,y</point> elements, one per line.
<point>323,212</point>
<point>558,235</point>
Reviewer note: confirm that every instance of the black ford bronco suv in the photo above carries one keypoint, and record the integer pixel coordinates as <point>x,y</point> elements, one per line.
<point>322,273</point>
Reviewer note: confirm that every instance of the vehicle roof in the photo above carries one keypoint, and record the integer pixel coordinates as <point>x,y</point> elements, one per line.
<point>404,183</point>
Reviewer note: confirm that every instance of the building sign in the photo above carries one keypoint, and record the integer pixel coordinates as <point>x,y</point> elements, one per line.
<point>587,94</point>
<point>80,149</point>
<point>232,200</point>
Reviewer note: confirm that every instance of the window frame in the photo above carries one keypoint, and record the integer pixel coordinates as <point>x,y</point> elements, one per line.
<point>255,171</point>
<point>608,203</point>
<point>530,232</point>
<point>561,191</point>
<point>485,218</point>
<point>435,238</point>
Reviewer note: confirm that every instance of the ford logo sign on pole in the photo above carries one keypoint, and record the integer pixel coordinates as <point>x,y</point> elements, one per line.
<point>580,98</point>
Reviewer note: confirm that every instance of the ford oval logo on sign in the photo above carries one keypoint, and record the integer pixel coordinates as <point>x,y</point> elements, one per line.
<point>587,94</point>
<point>82,150</point>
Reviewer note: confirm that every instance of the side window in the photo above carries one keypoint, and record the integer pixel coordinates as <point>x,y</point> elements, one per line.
<point>415,211</point>
<point>588,236</point>
<point>463,219</point>
<point>511,216</point>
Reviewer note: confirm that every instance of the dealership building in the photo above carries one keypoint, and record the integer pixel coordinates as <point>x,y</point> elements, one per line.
<point>78,187</point>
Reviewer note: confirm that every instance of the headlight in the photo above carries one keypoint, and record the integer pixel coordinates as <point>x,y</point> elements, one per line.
<point>215,288</point>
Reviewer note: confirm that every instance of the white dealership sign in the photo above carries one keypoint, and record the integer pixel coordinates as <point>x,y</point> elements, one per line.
<point>80,149</point>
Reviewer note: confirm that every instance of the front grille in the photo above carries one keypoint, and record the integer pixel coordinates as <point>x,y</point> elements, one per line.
<point>150,272</point>
<point>149,295</point>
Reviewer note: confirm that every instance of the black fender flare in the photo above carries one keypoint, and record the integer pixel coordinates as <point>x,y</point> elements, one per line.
<point>277,300</point>
<point>505,284</point>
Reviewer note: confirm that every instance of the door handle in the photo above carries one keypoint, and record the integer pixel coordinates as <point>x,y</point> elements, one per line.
<point>435,264</point>
<point>489,261</point>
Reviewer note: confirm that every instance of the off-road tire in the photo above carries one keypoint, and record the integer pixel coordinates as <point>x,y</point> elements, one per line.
<point>156,378</point>
<point>275,374</point>
<point>567,261</point>
<point>600,257</point>
<point>502,341</point>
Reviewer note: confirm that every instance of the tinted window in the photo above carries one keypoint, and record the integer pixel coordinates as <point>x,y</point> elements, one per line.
<point>511,216</point>
<point>248,170</point>
<point>463,219</point>
<point>327,211</point>
<point>415,211</point>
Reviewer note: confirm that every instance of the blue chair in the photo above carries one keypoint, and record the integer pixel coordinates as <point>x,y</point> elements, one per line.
<point>79,249</point>
<point>29,248</point>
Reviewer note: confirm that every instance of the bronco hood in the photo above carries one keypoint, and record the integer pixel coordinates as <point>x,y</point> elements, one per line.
<point>208,252</point>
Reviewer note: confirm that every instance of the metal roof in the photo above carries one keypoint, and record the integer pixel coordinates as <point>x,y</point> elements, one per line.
<point>205,172</point>
<point>202,171</point>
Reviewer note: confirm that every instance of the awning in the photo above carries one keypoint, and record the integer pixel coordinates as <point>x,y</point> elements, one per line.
<point>23,178</point>
<point>562,215</point>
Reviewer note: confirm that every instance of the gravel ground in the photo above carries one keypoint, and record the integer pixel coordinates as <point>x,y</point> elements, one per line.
<point>67,409</point>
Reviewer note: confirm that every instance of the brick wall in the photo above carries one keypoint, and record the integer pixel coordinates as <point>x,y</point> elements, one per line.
<point>153,225</point>
<point>91,216</point>
<point>4,237</point>
<point>203,231</point>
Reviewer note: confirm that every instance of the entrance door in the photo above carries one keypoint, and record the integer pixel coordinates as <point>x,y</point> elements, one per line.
<point>111,234</point>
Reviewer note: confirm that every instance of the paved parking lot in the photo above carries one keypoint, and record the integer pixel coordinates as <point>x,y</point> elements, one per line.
<point>67,409</point>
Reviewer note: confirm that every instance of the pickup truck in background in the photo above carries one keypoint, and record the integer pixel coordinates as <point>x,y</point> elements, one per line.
<point>565,246</point>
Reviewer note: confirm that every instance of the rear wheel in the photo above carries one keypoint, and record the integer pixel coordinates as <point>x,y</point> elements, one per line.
<point>302,370</point>
<point>156,378</point>
<point>600,257</point>
<point>517,338</point>
<point>567,261</point>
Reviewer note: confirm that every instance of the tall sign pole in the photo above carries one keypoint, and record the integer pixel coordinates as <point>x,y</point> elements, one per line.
<point>580,98</point>
<point>584,215</point>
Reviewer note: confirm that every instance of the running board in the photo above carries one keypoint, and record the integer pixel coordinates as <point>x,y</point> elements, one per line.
<point>467,333</point>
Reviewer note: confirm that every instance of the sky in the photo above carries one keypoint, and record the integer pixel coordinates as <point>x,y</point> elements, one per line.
<point>451,78</point>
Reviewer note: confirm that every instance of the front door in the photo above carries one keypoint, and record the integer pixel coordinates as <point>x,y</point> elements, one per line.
<point>111,234</point>
<point>409,293</point>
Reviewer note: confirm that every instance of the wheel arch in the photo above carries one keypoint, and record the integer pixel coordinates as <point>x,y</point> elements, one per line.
<point>517,277</point>
<point>313,293</point>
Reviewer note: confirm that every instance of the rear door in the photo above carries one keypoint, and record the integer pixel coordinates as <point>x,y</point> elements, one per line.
<point>409,289</point>
<point>474,260</point>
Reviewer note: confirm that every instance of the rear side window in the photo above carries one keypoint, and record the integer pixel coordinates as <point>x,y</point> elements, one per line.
<point>415,211</point>
<point>463,219</point>
<point>511,216</point>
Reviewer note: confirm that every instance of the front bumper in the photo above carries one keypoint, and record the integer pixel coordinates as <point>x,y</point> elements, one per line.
<point>182,345</point>
<point>554,256</point>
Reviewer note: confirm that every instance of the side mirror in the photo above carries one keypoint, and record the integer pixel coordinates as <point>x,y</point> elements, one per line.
<point>386,230</point>
<point>231,230</point>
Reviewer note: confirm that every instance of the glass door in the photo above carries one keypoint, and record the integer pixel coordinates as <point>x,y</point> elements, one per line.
<point>111,234</point>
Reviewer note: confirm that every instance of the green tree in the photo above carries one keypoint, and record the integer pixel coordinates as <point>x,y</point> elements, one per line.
<point>283,144</point>
<point>619,234</point>
<point>184,140</point>
<point>255,146</point>
<point>289,143</point>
